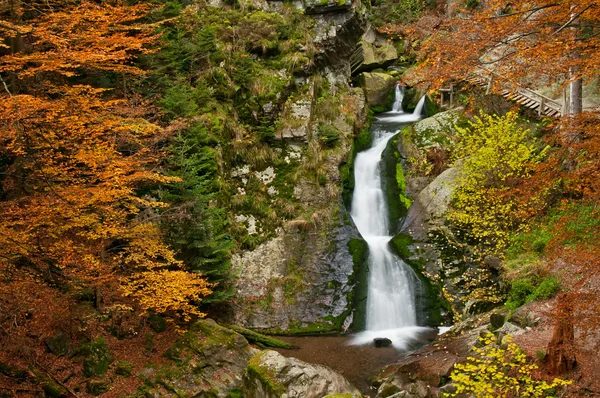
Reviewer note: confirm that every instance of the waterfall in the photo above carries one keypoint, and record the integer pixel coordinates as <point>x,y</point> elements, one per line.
<point>398,116</point>
<point>419,108</point>
<point>391,307</point>
<point>399,96</point>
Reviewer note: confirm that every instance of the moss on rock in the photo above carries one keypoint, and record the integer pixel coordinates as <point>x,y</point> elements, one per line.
<point>97,358</point>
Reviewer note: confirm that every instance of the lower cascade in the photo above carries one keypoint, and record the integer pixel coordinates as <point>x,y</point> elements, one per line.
<point>391,307</point>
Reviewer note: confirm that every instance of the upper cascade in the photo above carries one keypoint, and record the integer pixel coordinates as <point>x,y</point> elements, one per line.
<point>398,97</point>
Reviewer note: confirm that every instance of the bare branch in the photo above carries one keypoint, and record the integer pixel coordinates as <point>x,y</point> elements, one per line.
<point>570,21</point>
<point>532,10</point>
<point>5,86</point>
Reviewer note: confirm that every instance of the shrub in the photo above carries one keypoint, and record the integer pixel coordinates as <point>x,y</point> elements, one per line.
<point>328,135</point>
<point>530,289</point>
<point>500,369</point>
<point>547,289</point>
<point>496,151</point>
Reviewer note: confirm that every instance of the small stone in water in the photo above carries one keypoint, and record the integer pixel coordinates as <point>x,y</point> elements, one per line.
<point>382,342</point>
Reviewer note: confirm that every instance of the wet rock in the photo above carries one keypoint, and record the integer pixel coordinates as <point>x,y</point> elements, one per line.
<point>377,87</point>
<point>382,342</point>
<point>208,360</point>
<point>272,375</point>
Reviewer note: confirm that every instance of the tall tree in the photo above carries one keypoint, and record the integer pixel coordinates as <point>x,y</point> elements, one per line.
<point>78,163</point>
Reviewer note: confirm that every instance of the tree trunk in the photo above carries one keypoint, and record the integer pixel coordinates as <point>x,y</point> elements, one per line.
<point>576,85</point>
<point>576,97</point>
<point>561,349</point>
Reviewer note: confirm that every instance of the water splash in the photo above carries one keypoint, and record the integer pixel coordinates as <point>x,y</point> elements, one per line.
<point>401,117</point>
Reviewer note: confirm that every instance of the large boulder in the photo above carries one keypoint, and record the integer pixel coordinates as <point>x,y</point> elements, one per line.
<point>431,204</point>
<point>439,124</point>
<point>209,360</point>
<point>369,56</point>
<point>378,87</point>
<point>271,375</point>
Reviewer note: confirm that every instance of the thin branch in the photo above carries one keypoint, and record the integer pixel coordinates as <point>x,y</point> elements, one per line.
<point>570,21</point>
<point>526,11</point>
<point>5,86</point>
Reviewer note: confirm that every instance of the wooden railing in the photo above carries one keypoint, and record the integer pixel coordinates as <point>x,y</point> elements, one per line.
<point>515,92</point>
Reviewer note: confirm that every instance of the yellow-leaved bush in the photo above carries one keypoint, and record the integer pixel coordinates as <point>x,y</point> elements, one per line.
<point>495,151</point>
<point>500,369</point>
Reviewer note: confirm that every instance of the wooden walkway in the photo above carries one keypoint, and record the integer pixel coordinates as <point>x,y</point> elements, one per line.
<point>521,95</point>
<point>513,92</point>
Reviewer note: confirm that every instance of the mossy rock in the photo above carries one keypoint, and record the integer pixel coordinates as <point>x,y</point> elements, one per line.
<point>97,387</point>
<point>265,375</point>
<point>59,344</point>
<point>124,368</point>
<point>97,358</point>
<point>157,323</point>
<point>261,339</point>
<point>359,249</point>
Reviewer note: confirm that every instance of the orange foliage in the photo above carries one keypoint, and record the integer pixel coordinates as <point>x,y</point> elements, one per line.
<point>524,41</point>
<point>73,160</point>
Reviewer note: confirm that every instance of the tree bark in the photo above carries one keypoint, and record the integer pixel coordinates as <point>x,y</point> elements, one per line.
<point>561,349</point>
<point>576,96</point>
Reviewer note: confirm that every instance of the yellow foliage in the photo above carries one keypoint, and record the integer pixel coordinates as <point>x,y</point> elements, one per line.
<point>167,291</point>
<point>496,150</point>
<point>500,369</point>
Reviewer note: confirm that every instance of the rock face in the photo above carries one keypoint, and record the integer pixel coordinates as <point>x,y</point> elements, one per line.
<point>339,26</point>
<point>433,243</point>
<point>209,360</point>
<point>297,114</point>
<point>271,375</point>
<point>302,279</point>
<point>377,87</point>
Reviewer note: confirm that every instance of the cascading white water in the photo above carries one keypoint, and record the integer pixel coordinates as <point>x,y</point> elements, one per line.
<point>391,309</point>
<point>399,96</point>
<point>399,116</point>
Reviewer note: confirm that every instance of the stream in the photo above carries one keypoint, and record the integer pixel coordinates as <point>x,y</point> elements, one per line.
<point>391,306</point>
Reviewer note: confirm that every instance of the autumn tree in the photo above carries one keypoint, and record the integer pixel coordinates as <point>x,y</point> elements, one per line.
<point>78,162</point>
<point>533,43</point>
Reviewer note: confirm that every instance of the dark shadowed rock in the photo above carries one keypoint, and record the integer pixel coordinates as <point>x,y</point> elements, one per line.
<point>59,344</point>
<point>497,320</point>
<point>382,342</point>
